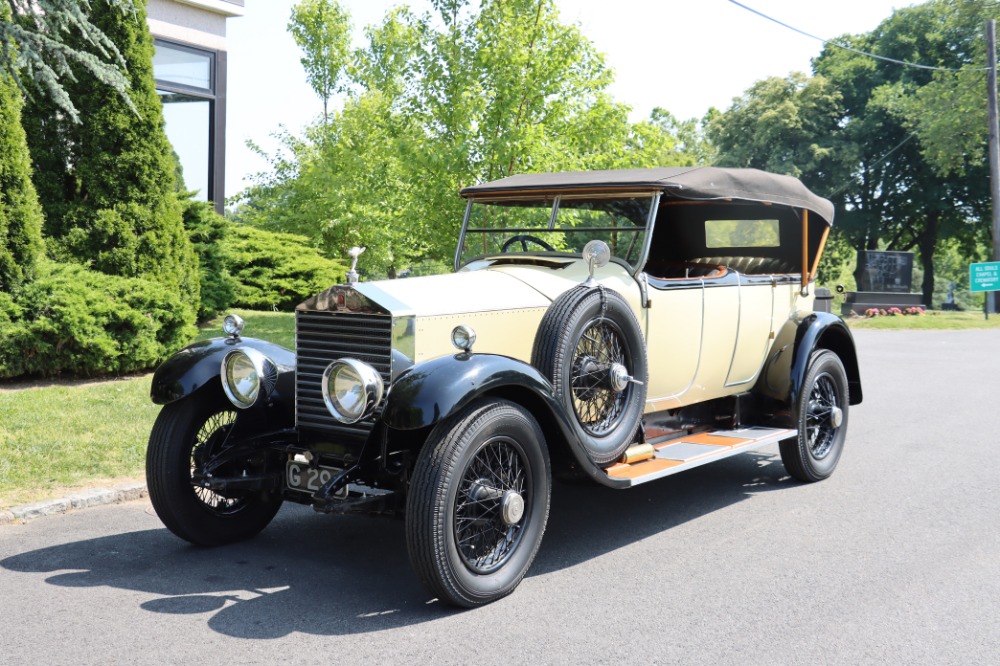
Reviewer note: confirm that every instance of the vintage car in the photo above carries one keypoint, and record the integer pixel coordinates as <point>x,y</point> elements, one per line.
<point>611,326</point>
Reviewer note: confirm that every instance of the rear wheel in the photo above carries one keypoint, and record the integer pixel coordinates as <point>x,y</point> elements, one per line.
<point>478,503</point>
<point>822,410</point>
<point>186,434</point>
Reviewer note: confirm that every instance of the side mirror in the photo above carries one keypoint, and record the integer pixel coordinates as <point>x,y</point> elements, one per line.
<point>597,254</point>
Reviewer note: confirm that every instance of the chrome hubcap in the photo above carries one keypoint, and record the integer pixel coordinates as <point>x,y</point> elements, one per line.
<point>512,508</point>
<point>836,417</point>
<point>618,377</point>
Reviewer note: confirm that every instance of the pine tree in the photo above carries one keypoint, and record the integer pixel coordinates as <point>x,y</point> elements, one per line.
<point>34,47</point>
<point>106,183</point>
<point>20,214</point>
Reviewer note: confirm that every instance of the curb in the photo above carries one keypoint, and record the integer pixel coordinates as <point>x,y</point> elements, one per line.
<point>123,492</point>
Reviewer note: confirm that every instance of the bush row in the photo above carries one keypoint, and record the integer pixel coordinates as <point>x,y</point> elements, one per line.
<point>246,267</point>
<point>75,321</point>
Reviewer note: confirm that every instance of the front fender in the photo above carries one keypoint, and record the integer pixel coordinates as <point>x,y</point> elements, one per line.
<point>795,343</point>
<point>200,364</point>
<point>434,390</point>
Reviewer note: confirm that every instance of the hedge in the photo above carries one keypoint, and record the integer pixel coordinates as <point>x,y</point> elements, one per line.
<point>80,322</point>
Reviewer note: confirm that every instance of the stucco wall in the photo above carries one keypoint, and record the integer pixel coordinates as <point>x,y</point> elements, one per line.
<point>187,23</point>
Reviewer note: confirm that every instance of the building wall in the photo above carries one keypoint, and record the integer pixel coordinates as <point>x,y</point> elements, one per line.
<point>198,26</point>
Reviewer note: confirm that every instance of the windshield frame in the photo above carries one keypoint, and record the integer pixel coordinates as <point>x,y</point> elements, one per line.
<point>555,198</point>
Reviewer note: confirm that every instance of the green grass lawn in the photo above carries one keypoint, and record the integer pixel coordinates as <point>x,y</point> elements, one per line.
<point>933,319</point>
<point>59,437</point>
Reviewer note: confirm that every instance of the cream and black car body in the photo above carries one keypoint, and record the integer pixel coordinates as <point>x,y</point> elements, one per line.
<point>616,326</point>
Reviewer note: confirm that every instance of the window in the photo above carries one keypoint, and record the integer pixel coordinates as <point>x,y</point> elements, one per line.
<point>191,82</point>
<point>741,233</point>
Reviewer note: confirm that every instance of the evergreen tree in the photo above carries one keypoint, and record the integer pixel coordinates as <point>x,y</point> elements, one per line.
<point>107,183</point>
<point>20,214</point>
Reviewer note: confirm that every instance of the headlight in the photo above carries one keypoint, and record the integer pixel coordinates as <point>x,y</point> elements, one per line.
<point>246,373</point>
<point>351,389</point>
<point>463,337</point>
<point>232,325</point>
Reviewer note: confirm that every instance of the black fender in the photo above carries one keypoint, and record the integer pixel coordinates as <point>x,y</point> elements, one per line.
<point>200,364</point>
<point>436,389</point>
<point>785,369</point>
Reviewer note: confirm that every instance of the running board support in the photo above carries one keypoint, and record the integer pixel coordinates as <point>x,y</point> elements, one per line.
<point>690,451</point>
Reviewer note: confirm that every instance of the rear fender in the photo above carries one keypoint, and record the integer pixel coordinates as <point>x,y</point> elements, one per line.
<point>788,361</point>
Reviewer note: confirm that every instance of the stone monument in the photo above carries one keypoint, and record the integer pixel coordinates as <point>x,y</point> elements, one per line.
<point>884,281</point>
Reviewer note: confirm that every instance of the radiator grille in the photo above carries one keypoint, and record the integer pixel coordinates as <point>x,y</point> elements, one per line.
<point>323,337</point>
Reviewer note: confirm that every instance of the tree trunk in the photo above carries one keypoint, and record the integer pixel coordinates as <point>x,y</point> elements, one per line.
<point>927,244</point>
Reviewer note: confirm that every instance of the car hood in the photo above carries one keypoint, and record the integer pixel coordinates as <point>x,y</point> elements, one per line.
<point>432,295</point>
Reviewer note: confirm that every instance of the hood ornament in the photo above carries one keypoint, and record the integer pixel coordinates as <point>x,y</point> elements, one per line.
<point>354,253</point>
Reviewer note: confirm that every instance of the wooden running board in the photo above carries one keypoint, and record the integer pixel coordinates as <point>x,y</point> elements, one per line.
<point>689,451</point>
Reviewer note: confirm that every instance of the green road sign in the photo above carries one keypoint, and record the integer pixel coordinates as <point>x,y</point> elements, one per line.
<point>985,276</point>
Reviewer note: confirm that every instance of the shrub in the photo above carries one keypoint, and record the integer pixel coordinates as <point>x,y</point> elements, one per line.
<point>276,271</point>
<point>71,320</point>
<point>20,214</point>
<point>208,232</point>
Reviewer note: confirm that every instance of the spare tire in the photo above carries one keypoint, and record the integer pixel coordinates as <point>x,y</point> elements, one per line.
<point>590,345</point>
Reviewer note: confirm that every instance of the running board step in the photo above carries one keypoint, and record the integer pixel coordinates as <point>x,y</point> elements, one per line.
<point>689,451</point>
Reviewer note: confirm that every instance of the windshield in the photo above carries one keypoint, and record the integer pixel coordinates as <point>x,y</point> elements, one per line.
<point>556,224</point>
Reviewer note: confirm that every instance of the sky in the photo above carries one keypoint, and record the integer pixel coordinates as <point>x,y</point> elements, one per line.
<point>683,55</point>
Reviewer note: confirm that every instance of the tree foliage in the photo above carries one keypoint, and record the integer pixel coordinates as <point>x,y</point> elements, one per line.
<point>879,138</point>
<point>48,42</point>
<point>321,28</point>
<point>445,100</point>
<point>20,214</point>
<point>107,183</point>
<point>253,268</point>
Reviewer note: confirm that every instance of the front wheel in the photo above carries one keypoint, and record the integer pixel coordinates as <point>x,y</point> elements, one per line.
<point>821,410</point>
<point>186,434</point>
<point>478,503</point>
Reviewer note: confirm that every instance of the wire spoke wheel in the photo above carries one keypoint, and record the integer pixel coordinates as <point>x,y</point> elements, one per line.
<point>820,429</point>
<point>477,506</point>
<point>590,345</point>
<point>822,410</point>
<point>596,404</point>
<point>209,441</point>
<point>495,478</point>
<point>188,435</point>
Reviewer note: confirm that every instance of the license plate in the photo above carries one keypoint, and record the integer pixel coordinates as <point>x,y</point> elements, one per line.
<point>300,476</point>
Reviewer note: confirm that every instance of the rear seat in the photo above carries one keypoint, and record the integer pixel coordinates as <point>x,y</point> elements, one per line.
<point>750,265</point>
<point>671,270</point>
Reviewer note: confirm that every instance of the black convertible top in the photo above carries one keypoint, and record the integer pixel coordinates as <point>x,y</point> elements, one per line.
<point>691,183</point>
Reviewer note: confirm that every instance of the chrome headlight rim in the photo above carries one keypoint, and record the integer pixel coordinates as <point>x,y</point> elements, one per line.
<point>369,381</point>
<point>463,337</point>
<point>232,324</point>
<point>265,373</point>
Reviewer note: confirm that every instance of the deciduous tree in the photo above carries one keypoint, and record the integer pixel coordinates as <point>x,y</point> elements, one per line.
<point>441,101</point>
<point>321,28</point>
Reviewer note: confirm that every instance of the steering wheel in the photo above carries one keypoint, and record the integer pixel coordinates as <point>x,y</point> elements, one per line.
<point>524,239</point>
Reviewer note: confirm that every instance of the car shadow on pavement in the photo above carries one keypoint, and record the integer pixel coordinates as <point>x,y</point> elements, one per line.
<point>348,575</point>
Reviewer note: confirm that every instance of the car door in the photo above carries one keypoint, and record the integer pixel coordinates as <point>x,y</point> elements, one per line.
<point>674,322</point>
<point>756,308</point>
